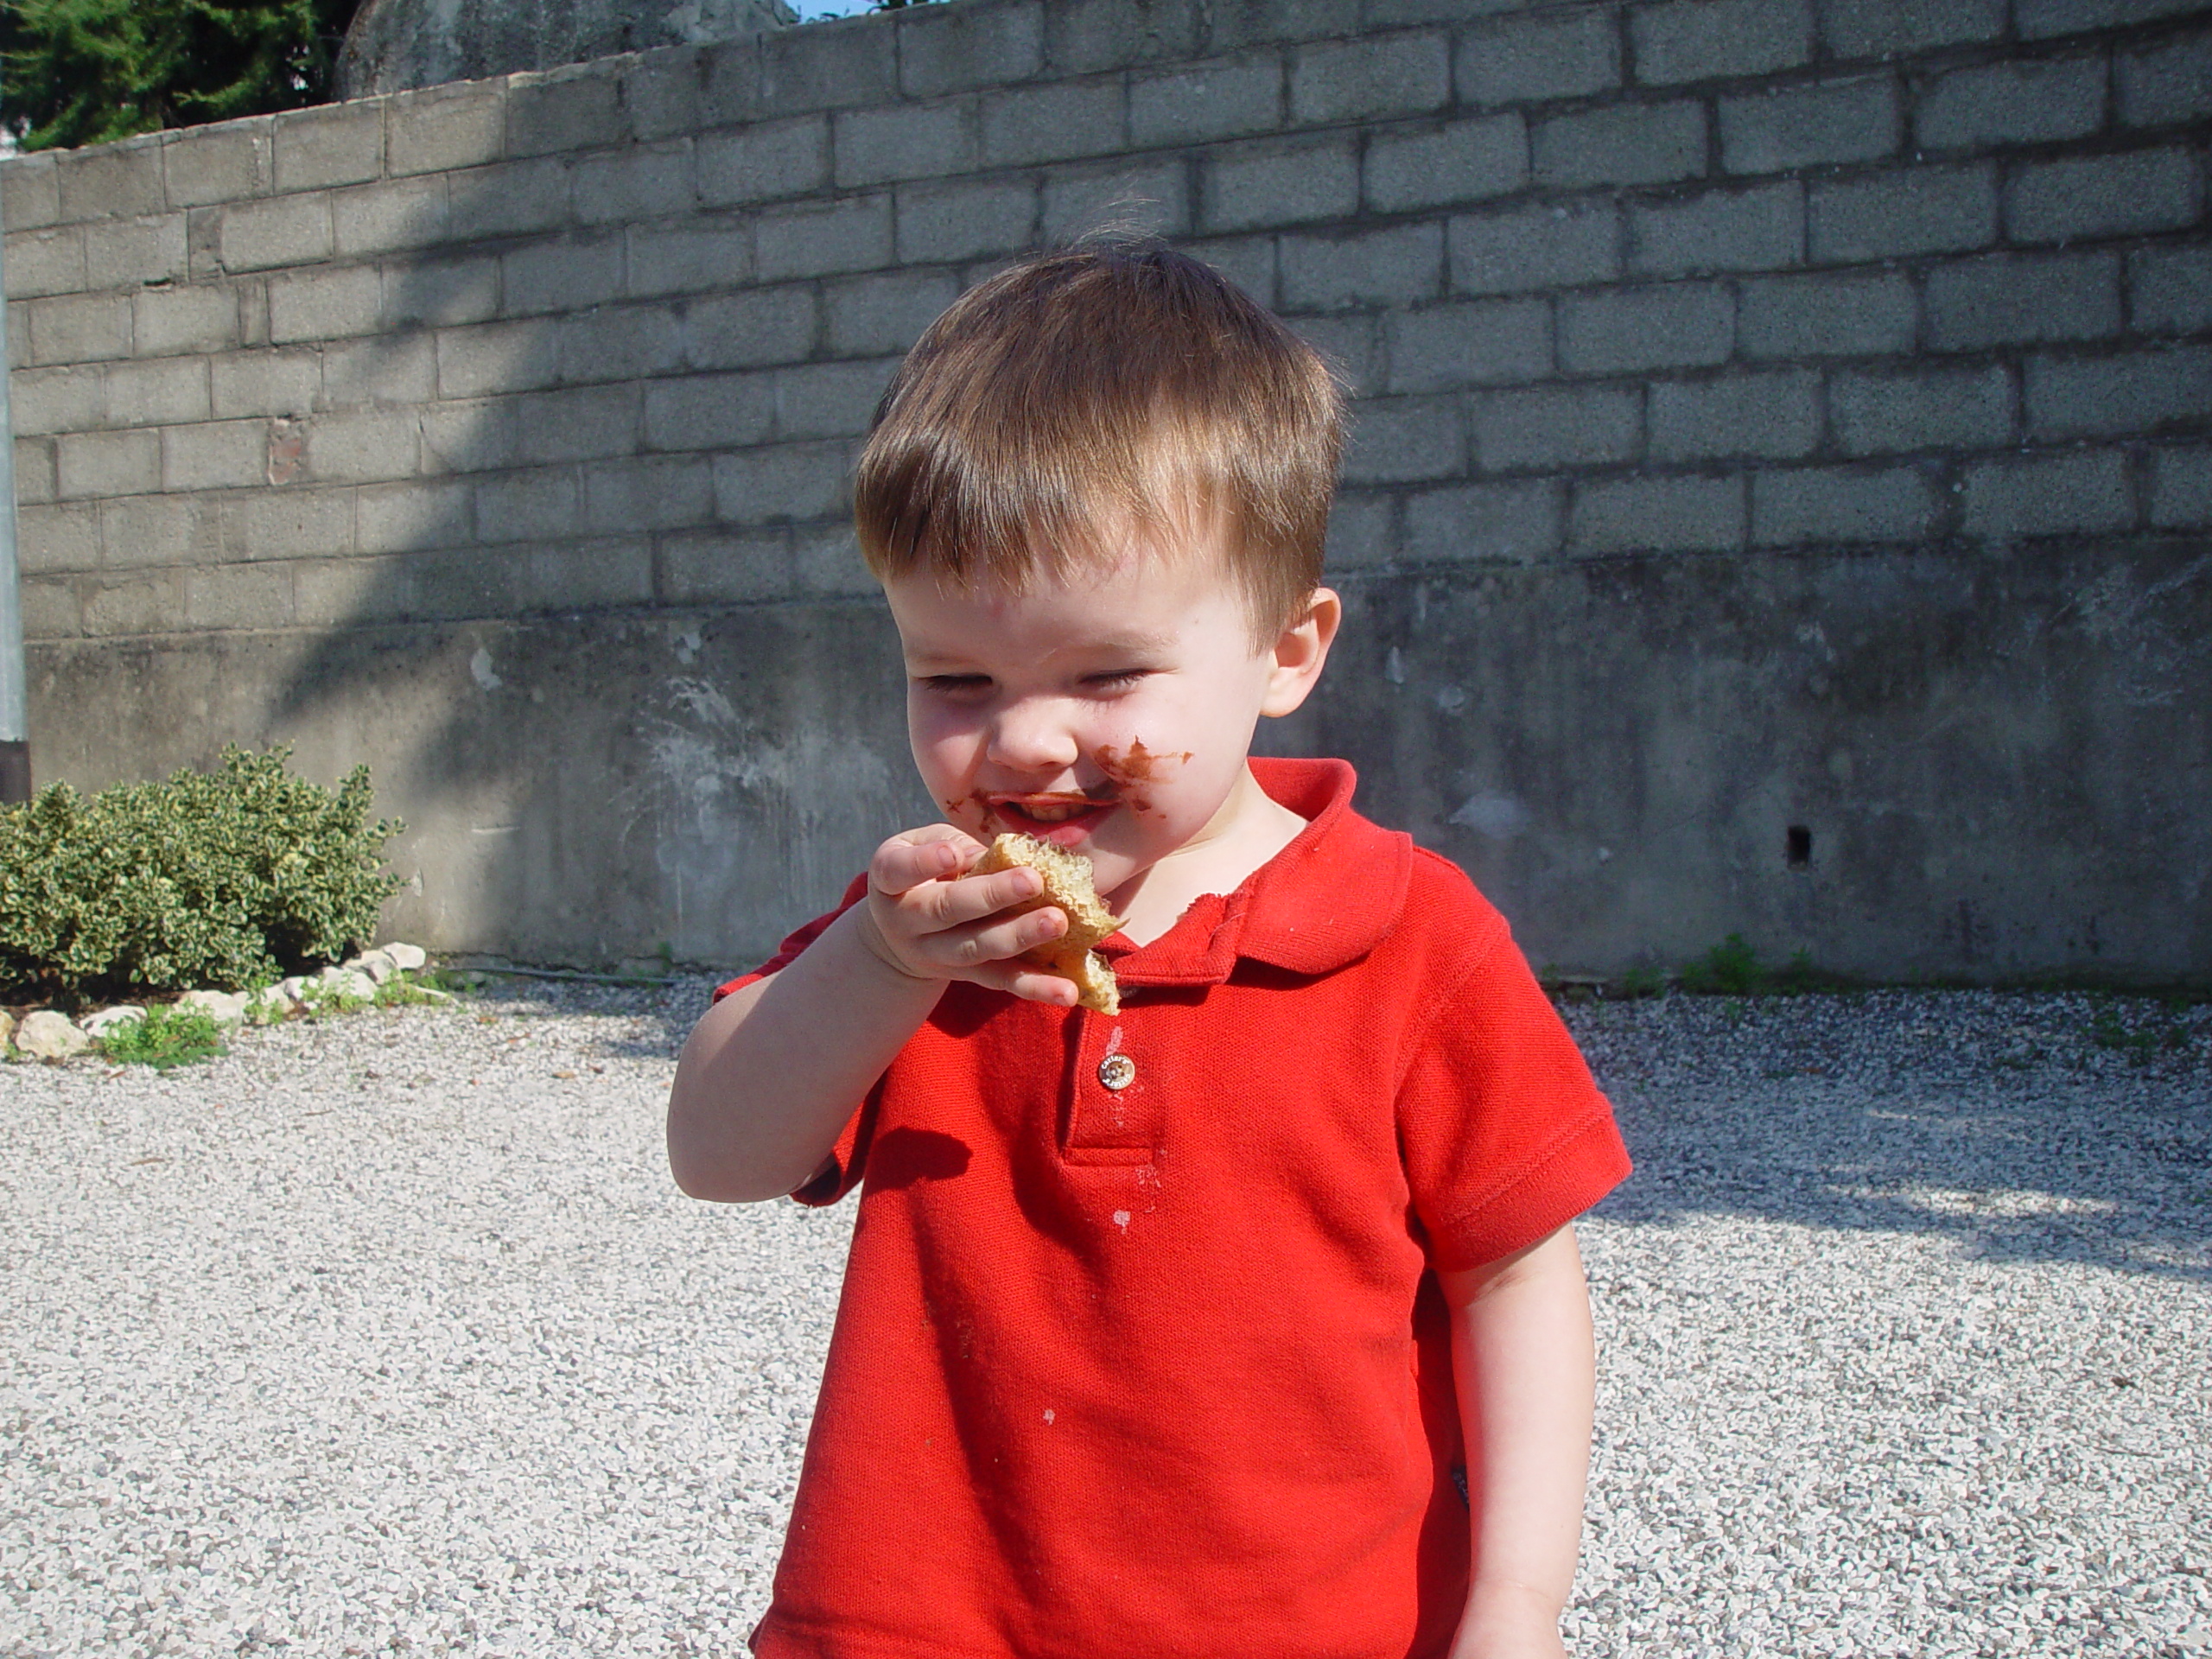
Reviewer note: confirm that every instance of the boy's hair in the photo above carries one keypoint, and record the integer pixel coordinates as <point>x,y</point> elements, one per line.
<point>1087,393</point>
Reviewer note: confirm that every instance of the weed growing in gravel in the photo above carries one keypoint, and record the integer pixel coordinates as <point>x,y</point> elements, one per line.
<point>167,1036</point>
<point>402,989</point>
<point>2151,1033</point>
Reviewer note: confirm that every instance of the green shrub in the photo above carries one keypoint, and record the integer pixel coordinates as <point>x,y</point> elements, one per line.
<point>167,1036</point>
<point>1732,968</point>
<point>222,879</point>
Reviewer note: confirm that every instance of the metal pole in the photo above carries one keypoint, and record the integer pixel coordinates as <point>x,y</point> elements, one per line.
<point>15,728</point>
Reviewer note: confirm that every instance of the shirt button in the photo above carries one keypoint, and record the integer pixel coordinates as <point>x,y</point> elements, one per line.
<point>1118,1072</point>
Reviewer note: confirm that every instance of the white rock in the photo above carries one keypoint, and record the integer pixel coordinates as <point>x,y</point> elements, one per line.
<point>348,981</point>
<point>7,1027</point>
<point>408,958</point>
<point>376,965</point>
<point>295,987</point>
<point>110,1019</point>
<point>227,1008</point>
<point>47,1035</point>
<point>278,999</point>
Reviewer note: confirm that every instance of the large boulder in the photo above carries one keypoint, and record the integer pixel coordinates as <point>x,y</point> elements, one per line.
<point>47,1035</point>
<point>396,44</point>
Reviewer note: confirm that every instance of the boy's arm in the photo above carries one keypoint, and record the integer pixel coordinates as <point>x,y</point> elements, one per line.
<point>1526,1367</point>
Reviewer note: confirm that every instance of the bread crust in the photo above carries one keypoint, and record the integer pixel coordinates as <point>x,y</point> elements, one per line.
<point>1068,888</point>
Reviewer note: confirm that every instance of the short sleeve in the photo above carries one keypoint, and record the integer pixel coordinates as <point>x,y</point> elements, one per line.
<point>842,1171</point>
<point>1506,1135</point>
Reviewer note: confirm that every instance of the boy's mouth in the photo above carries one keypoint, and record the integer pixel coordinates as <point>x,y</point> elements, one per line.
<point>1061,819</point>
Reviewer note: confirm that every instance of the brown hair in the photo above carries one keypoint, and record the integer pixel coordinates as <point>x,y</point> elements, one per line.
<point>1113,386</point>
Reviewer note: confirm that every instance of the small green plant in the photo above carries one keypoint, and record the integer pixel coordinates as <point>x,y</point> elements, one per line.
<point>402,989</point>
<point>1732,968</point>
<point>167,1036</point>
<point>2142,1041</point>
<point>1642,982</point>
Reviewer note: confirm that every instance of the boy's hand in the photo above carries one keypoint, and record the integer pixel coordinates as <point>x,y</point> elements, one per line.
<point>926,919</point>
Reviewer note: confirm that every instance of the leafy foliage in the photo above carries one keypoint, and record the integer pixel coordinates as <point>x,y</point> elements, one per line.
<point>166,1037</point>
<point>83,71</point>
<point>224,880</point>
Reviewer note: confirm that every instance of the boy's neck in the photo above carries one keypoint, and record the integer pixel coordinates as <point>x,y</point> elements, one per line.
<point>1250,828</point>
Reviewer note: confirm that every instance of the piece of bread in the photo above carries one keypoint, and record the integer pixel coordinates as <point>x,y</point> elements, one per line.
<point>1068,886</point>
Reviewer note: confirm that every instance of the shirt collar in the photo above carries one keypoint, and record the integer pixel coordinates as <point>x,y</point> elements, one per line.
<point>1324,901</point>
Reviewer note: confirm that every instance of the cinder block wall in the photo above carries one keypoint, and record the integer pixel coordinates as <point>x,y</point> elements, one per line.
<point>1779,503</point>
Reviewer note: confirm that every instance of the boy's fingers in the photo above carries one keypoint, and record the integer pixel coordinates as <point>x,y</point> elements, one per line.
<point>976,945</point>
<point>906,861</point>
<point>971,898</point>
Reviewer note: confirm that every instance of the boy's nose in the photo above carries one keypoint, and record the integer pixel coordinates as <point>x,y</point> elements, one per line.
<point>1032,738</point>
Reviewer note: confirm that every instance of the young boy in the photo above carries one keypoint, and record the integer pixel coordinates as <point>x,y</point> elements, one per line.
<point>1247,1320</point>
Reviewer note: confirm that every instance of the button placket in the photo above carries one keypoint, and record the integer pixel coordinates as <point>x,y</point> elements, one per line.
<point>1116,1111</point>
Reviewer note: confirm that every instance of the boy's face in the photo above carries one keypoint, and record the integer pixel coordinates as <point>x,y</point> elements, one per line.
<point>1111,712</point>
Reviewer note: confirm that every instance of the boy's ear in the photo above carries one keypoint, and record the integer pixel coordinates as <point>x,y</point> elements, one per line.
<point>1299,651</point>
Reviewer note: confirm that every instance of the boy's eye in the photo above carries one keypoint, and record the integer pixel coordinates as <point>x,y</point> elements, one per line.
<point>955,685</point>
<point>1119,679</point>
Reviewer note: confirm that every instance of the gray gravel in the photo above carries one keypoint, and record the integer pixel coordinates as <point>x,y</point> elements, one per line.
<point>390,1334</point>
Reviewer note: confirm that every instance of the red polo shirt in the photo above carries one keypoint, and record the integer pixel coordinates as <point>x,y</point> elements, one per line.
<point>1163,1369</point>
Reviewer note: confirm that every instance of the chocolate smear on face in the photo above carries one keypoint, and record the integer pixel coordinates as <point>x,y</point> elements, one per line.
<point>1127,768</point>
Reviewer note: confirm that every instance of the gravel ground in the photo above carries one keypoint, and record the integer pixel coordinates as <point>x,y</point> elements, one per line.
<point>390,1334</point>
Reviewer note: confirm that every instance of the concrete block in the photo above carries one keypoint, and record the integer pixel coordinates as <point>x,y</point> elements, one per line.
<point>1400,265</point>
<point>69,399</point>
<point>1350,342</point>
<point>79,327</point>
<point>1515,522</point>
<point>906,141</point>
<point>655,493</point>
<point>229,161</point>
<point>1230,98</point>
<point>1780,128</point>
<point>107,463</point>
<point>49,261</point>
<point>498,356</point>
<point>1528,59</point>
<point>1084,37</point>
<point>1834,505</point>
<point>710,411</point>
<point>326,304</point>
<point>451,584</point>
<point>439,129</point>
<point>157,390</point>
<point>152,603</point>
<point>2181,488</point>
<point>2016,299</point>
<point>1246,22</point>
<point>540,506</point>
<point>198,317</point>
<point>787,481</point>
<point>283,231</point>
<point>441,292</point>
<point>30,191</point>
<point>51,610</point>
<point>1706,39</point>
<point>830,400</point>
<point>1363,531</point>
<point>414,213</point>
<point>226,597</point>
<point>2169,290</point>
<point>1894,411</point>
<point>352,592</point>
<point>826,563</point>
<point>2133,394</point>
<point>1759,229</point>
<point>33,471</point>
<point>2083,490</point>
<point>1656,515</point>
<point>1151,195</point>
<point>1853,314</point>
<point>749,328</point>
<point>725,567</point>
<point>53,539</point>
<point>1247,186</point>
<point>118,181</point>
<point>1379,77</point>
<point>594,575</point>
<point>566,274</point>
<point>1621,144</point>
<point>829,66</point>
<point>578,106</point>
<point>2043,19</point>
<point>123,250</point>
<point>142,531</point>
<point>583,424</point>
<point>963,47</point>
<point>1484,343</point>
<point>767,163</point>
<point>698,255</point>
<point>872,315</point>
<point>336,143</point>
<point>412,516</point>
<point>1891,29</point>
<point>1519,250</point>
<point>215,456</point>
<point>1681,325</point>
<point>1463,161</point>
<point>509,199</point>
<point>2083,196</point>
<point>823,239</point>
<point>292,524</point>
<point>1546,428</point>
<point>266,383</point>
<point>2166,83</point>
<point>1247,261</point>
<point>622,342</point>
<point>1894,215</point>
<point>1772,416</point>
<point>946,222</point>
<point>1052,123</point>
<point>2018,103</point>
<point>362,445</point>
<point>388,369</point>
<point>661,91</point>
<point>1394,440</point>
<point>472,436</point>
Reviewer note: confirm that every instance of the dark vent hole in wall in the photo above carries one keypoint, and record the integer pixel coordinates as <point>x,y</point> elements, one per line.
<point>1799,847</point>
